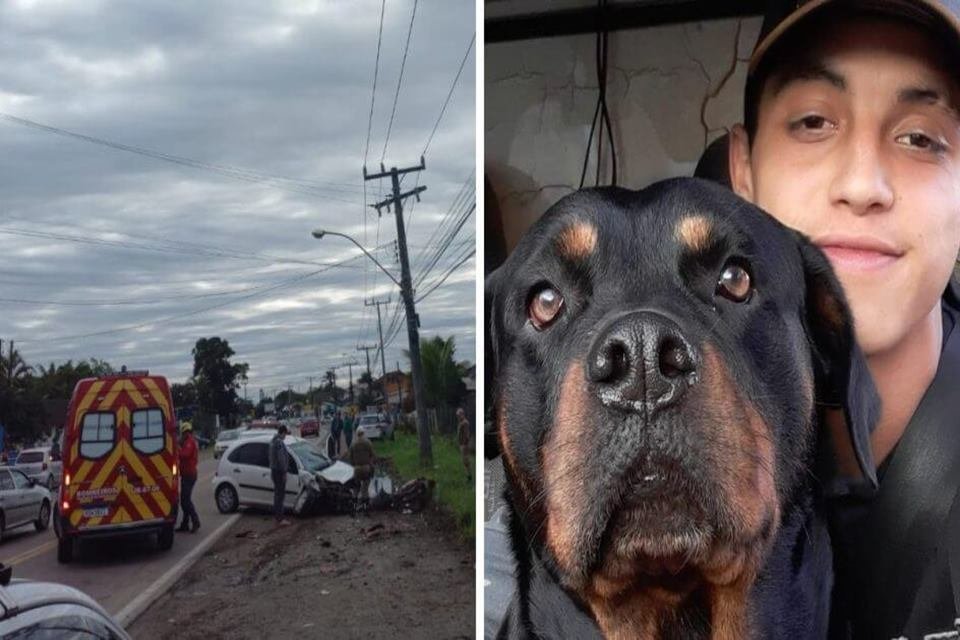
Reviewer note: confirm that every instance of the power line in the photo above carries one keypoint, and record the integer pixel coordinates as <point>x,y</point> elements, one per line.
<point>295,185</point>
<point>366,150</point>
<point>396,96</point>
<point>449,94</point>
<point>447,275</point>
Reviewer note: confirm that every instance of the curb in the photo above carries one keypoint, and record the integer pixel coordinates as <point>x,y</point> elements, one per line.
<point>142,602</point>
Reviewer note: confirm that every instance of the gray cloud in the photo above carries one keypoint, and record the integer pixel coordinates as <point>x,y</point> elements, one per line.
<point>179,252</point>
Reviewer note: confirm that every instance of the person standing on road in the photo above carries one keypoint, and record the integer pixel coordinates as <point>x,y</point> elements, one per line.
<point>188,478</point>
<point>348,428</point>
<point>463,437</point>
<point>336,428</point>
<point>278,472</point>
<point>361,456</point>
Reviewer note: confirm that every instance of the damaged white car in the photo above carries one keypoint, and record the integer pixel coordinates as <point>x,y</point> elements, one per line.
<point>314,481</point>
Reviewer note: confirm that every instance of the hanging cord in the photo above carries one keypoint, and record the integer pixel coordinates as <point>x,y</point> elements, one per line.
<point>601,113</point>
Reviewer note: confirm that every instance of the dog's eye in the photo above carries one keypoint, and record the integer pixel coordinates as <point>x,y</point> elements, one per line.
<point>544,307</point>
<point>734,283</point>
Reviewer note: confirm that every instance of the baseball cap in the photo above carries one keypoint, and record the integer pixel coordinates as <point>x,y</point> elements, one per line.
<point>781,16</point>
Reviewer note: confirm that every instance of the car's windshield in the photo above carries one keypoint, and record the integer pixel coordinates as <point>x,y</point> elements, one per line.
<point>30,456</point>
<point>312,459</point>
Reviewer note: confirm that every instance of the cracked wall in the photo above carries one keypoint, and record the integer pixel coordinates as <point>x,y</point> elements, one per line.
<point>670,91</point>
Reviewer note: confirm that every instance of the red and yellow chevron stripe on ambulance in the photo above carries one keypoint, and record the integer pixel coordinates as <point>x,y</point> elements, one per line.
<point>123,486</point>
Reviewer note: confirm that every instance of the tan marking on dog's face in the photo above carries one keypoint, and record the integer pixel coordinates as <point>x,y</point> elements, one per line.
<point>562,459</point>
<point>517,477</point>
<point>745,462</point>
<point>577,241</point>
<point>693,232</point>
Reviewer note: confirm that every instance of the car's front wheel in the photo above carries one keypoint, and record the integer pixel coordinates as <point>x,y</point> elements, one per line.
<point>227,500</point>
<point>43,518</point>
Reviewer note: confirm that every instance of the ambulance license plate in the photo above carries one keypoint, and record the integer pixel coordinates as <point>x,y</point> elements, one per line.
<point>97,512</point>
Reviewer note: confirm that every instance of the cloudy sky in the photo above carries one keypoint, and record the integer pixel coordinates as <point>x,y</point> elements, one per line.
<point>211,138</point>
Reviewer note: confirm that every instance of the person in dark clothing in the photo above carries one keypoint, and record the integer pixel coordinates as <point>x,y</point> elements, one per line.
<point>361,456</point>
<point>188,478</point>
<point>851,135</point>
<point>348,428</point>
<point>463,438</point>
<point>336,428</point>
<point>279,463</point>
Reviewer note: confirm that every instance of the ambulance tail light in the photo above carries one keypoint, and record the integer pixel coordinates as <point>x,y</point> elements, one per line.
<point>66,480</point>
<point>174,468</point>
<point>66,505</point>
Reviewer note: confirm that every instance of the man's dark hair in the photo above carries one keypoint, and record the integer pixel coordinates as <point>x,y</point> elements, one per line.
<point>790,56</point>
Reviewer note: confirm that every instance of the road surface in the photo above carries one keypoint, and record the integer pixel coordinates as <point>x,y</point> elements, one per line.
<point>112,571</point>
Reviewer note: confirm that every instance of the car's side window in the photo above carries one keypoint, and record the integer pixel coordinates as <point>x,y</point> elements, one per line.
<point>6,482</point>
<point>261,454</point>
<point>252,453</point>
<point>20,480</point>
<point>241,455</point>
<point>97,435</point>
<point>148,434</point>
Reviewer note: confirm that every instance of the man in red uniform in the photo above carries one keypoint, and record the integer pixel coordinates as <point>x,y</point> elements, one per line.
<point>188,478</point>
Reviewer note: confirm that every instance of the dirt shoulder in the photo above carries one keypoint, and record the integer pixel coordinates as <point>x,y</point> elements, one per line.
<point>382,575</point>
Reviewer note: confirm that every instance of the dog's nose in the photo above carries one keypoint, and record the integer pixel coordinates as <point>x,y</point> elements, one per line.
<point>641,357</point>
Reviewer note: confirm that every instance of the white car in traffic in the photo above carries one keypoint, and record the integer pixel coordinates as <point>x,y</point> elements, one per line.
<point>38,463</point>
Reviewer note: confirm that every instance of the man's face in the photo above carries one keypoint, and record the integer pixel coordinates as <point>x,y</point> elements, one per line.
<point>860,150</point>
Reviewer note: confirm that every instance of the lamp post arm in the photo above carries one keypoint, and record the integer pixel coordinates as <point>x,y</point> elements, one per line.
<point>368,254</point>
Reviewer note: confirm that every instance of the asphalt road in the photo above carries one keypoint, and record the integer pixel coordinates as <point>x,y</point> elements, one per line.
<point>112,571</point>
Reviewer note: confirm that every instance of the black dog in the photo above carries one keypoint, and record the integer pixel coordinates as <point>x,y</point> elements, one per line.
<point>662,359</point>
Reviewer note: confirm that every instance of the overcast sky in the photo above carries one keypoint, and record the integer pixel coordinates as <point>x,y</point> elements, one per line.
<point>130,258</point>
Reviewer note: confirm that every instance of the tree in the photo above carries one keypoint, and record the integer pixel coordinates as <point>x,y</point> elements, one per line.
<point>366,396</point>
<point>330,385</point>
<point>216,378</point>
<point>442,378</point>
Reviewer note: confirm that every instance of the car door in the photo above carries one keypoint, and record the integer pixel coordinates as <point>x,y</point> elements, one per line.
<point>29,497</point>
<point>250,468</point>
<point>9,500</point>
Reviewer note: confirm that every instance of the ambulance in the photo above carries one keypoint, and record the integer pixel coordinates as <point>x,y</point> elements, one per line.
<point>119,461</point>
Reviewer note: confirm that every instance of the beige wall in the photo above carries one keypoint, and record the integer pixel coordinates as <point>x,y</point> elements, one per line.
<point>541,95</point>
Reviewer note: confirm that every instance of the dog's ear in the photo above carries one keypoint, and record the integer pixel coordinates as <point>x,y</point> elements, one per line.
<point>491,444</point>
<point>842,378</point>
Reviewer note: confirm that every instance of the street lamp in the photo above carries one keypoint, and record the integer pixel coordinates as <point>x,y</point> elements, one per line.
<point>319,233</point>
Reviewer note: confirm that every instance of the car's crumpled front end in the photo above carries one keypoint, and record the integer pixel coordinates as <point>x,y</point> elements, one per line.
<point>326,491</point>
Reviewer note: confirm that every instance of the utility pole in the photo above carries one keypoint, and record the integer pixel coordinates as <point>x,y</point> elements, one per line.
<point>367,348</point>
<point>377,303</point>
<point>406,292</point>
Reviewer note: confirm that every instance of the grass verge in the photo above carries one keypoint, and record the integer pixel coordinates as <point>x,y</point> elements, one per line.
<point>452,490</point>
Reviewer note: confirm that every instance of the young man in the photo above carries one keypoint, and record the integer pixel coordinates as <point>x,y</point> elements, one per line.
<point>852,136</point>
<point>279,464</point>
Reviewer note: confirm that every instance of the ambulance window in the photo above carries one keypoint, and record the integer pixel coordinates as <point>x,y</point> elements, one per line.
<point>97,435</point>
<point>148,430</point>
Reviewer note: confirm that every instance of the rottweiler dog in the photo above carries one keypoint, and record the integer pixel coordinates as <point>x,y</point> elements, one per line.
<point>662,359</point>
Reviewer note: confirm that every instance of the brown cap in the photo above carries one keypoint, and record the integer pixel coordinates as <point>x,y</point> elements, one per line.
<point>782,15</point>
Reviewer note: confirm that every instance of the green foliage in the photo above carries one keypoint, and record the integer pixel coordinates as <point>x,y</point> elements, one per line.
<point>442,375</point>
<point>453,491</point>
<point>216,378</point>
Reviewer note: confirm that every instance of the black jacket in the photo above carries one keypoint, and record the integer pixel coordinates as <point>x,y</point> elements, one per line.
<point>898,552</point>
